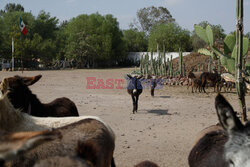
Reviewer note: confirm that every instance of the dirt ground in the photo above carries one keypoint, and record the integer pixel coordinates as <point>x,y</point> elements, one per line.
<point>162,131</point>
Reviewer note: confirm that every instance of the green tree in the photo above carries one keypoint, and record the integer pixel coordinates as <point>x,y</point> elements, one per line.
<point>10,29</point>
<point>94,40</point>
<point>151,16</point>
<point>60,42</point>
<point>135,41</point>
<point>12,7</point>
<point>39,43</point>
<point>171,35</point>
<point>45,25</point>
<point>219,35</point>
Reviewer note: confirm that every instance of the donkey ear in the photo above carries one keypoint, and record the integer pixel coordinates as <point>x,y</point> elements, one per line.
<point>226,115</point>
<point>129,76</point>
<point>31,80</point>
<point>139,77</point>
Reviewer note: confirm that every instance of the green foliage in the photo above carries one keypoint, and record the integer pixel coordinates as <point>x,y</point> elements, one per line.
<point>90,40</point>
<point>227,59</point>
<point>205,52</point>
<point>180,63</point>
<point>210,35</point>
<point>45,25</point>
<point>201,32</point>
<point>171,35</point>
<point>218,35</point>
<point>151,16</point>
<point>135,40</point>
<point>94,40</point>
<point>229,43</point>
<point>12,7</point>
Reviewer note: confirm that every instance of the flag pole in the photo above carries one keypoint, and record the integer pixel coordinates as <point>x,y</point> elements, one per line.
<point>21,54</point>
<point>13,62</point>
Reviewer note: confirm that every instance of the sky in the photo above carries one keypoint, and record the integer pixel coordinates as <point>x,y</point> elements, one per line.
<point>186,12</point>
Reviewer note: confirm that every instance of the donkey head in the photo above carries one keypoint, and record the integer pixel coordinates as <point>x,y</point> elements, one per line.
<point>134,83</point>
<point>237,148</point>
<point>18,91</point>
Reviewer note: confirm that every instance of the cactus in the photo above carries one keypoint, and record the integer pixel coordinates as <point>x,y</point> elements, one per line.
<point>219,66</point>
<point>202,67</point>
<point>141,64</point>
<point>209,68</point>
<point>235,49</point>
<point>171,66</point>
<point>164,64</point>
<point>152,64</point>
<point>168,67</point>
<point>184,69</point>
<point>146,61</point>
<point>228,58</point>
<point>239,53</point>
<point>180,62</point>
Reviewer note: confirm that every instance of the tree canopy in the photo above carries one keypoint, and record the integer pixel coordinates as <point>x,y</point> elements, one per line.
<point>171,35</point>
<point>94,40</point>
<point>219,35</point>
<point>135,40</point>
<point>151,16</point>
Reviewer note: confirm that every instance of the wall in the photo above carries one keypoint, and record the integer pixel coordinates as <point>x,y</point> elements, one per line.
<point>135,56</point>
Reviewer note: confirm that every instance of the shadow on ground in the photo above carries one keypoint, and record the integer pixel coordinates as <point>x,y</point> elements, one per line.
<point>165,97</point>
<point>159,112</point>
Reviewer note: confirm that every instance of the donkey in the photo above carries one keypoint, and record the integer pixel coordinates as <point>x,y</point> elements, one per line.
<point>13,145</point>
<point>224,148</point>
<point>212,77</point>
<point>134,88</point>
<point>192,75</point>
<point>154,81</point>
<point>21,97</point>
<point>146,164</point>
<point>86,155</point>
<point>73,129</point>
<point>196,84</point>
<point>208,148</point>
<point>87,130</point>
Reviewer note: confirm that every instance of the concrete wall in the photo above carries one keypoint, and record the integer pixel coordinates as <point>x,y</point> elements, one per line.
<point>135,56</point>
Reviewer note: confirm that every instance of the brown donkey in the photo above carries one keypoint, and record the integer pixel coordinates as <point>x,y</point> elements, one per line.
<point>214,78</point>
<point>21,97</point>
<point>15,144</point>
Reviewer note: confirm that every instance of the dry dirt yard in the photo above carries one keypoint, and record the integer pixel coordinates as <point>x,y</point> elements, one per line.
<point>162,131</point>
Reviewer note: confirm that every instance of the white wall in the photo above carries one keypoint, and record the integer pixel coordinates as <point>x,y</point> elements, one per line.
<point>135,56</point>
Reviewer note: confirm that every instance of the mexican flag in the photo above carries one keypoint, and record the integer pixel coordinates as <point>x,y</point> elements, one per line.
<point>22,26</point>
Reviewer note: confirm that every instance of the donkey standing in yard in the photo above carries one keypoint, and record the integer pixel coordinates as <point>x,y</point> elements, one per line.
<point>21,97</point>
<point>214,78</point>
<point>134,88</point>
<point>154,82</point>
<point>224,148</point>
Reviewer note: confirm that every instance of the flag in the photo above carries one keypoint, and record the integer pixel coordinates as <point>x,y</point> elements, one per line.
<point>22,26</point>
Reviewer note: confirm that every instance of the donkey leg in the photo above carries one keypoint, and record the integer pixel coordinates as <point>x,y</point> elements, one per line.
<point>152,92</point>
<point>134,103</point>
<point>137,98</point>
<point>203,85</point>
